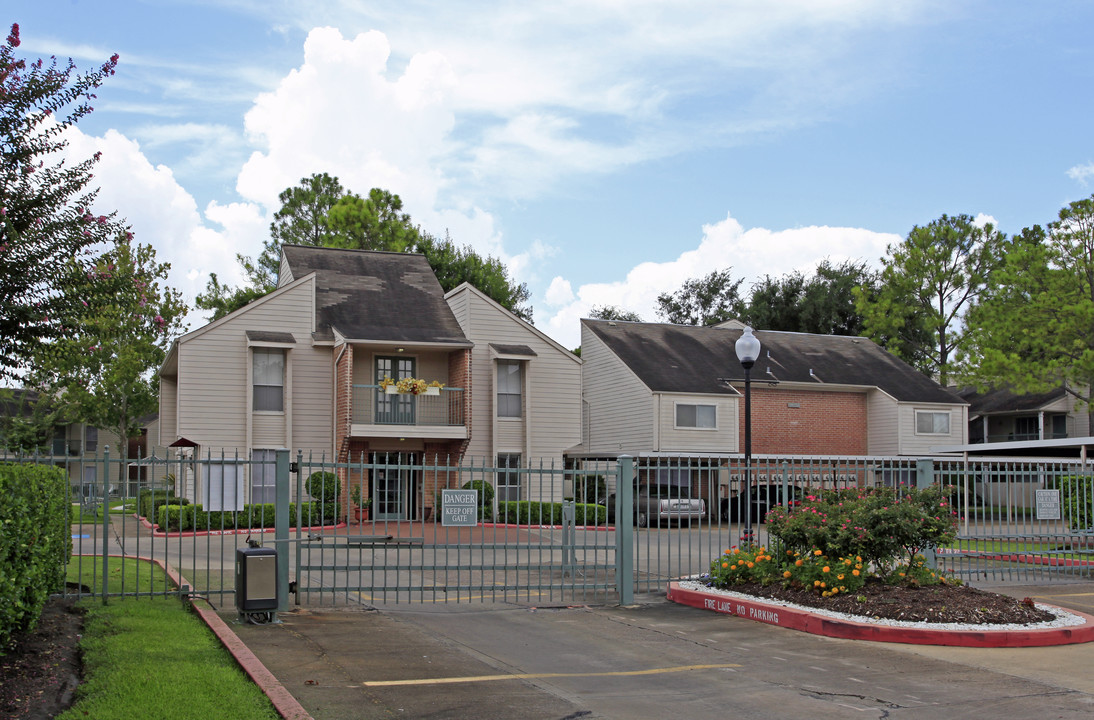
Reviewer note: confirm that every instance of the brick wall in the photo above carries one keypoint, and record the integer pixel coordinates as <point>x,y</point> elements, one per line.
<point>459,375</point>
<point>806,422</point>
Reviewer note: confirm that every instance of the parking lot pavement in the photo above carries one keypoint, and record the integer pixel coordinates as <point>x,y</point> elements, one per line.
<point>653,660</point>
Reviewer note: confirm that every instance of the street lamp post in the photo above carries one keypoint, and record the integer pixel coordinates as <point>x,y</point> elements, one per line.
<point>748,349</point>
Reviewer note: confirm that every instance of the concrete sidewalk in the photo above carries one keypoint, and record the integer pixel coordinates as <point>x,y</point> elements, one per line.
<point>653,660</point>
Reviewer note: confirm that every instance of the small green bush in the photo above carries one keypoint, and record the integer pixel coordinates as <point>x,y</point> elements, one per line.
<point>325,486</point>
<point>590,489</point>
<point>486,497</point>
<point>35,542</point>
<point>527,512</point>
<point>150,501</point>
<point>1076,499</point>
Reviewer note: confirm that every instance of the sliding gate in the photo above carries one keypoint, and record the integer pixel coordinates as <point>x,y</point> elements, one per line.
<point>418,529</point>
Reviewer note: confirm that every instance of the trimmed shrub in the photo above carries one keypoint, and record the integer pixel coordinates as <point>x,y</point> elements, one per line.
<point>182,518</point>
<point>590,489</point>
<point>35,543</point>
<point>324,486</point>
<point>1076,499</point>
<point>486,497</point>
<point>527,512</point>
<point>150,501</point>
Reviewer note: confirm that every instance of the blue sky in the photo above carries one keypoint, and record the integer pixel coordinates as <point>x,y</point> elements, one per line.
<point>607,150</point>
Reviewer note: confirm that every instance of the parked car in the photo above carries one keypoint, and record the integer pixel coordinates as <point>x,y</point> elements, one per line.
<point>758,501</point>
<point>655,504</point>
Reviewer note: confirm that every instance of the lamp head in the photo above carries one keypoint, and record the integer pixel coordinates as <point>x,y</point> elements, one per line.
<point>748,348</point>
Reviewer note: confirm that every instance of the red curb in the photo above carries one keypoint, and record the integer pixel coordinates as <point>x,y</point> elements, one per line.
<point>546,527</point>
<point>806,621</point>
<point>286,705</point>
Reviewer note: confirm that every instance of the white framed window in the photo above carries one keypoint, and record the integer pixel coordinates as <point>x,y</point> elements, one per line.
<point>510,381</point>
<point>932,423</point>
<point>263,476</point>
<point>508,483</point>
<point>704,417</point>
<point>268,379</point>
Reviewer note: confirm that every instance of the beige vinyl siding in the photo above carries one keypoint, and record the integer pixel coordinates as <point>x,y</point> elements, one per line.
<point>214,370</point>
<point>312,398</point>
<point>621,408</point>
<point>882,424</point>
<point>168,412</point>
<point>913,444</point>
<point>268,430</point>
<point>551,393</point>
<point>723,438</point>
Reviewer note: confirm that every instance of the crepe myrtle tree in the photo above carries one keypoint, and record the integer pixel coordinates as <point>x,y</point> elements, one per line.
<point>102,368</point>
<point>46,221</point>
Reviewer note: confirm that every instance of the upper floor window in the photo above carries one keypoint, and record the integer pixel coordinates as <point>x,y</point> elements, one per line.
<point>696,416</point>
<point>268,377</point>
<point>510,381</point>
<point>92,439</point>
<point>932,423</point>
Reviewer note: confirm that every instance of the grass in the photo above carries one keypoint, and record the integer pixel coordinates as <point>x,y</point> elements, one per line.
<point>1010,547</point>
<point>152,658</point>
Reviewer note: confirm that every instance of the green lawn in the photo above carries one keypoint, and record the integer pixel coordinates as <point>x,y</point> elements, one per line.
<point>152,658</point>
<point>1014,547</point>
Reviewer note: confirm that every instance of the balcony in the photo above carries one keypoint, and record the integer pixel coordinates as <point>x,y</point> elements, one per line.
<point>379,414</point>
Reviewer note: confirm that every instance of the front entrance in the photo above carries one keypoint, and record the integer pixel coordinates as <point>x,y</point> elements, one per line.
<point>394,486</point>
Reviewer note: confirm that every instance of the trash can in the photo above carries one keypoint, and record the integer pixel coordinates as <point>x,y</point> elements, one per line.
<point>256,579</point>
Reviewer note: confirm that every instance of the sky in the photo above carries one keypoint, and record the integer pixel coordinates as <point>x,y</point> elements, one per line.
<point>605,150</point>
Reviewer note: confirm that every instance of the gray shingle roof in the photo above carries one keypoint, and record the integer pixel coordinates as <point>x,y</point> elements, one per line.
<point>1005,400</point>
<point>688,359</point>
<point>376,296</point>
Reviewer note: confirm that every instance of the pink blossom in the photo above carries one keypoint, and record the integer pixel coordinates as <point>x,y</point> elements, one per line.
<point>13,38</point>
<point>3,211</point>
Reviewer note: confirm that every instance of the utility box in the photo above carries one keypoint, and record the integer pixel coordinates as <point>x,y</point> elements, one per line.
<point>256,579</point>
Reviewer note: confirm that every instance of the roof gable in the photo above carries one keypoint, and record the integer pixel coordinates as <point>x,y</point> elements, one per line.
<point>690,359</point>
<point>375,296</point>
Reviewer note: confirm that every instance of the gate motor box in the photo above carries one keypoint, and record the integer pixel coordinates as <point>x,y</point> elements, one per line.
<point>256,580</point>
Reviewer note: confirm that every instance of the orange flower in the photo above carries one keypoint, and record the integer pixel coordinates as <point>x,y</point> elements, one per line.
<point>817,552</point>
<point>798,563</point>
<point>786,573</point>
<point>725,565</point>
<point>751,564</point>
<point>855,572</point>
<point>825,569</point>
<point>840,576</point>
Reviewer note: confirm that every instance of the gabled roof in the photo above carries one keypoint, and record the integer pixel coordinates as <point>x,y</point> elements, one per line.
<point>375,296</point>
<point>1005,400</point>
<point>689,359</point>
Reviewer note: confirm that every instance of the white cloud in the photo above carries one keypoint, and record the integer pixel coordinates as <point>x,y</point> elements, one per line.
<point>559,292</point>
<point>750,253</point>
<point>1080,173</point>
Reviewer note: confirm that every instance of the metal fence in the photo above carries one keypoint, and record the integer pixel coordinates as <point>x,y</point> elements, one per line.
<point>547,534</point>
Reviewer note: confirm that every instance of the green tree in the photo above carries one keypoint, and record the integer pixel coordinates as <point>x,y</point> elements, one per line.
<point>822,303</point>
<point>927,283</point>
<point>1032,329</point>
<point>331,217</point>
<point>45,217</point>
<point>708,300</point>
<point>613,312</point>
<point>103,369</point>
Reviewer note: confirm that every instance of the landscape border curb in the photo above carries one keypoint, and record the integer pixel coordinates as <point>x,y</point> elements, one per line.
<point>795,618</point>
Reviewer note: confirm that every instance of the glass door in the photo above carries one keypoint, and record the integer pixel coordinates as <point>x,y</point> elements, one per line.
<point>398,408</point>
<point>392,486</point>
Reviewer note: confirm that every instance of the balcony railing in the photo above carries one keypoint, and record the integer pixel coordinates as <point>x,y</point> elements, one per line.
<point>372,406</point>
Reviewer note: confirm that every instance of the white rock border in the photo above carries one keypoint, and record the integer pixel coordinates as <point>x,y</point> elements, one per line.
<point>1063,617</point>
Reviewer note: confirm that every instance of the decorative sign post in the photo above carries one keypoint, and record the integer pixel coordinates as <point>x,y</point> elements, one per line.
<point>460,508</point>
<point>1048,504</point>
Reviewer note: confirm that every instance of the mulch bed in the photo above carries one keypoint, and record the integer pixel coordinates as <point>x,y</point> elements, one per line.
<point>39,674</point>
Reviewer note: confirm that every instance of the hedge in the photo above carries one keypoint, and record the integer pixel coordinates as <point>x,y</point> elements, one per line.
<point>1076,499</point>
<point>150,501</point>
<point>177,518</point>
<point>526,512</point>
<point>35,543</point>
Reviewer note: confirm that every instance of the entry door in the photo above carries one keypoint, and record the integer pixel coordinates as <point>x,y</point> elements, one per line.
<point>392,486</point>
<point>395,409</point>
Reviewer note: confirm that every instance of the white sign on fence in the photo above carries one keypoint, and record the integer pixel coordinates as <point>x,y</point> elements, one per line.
<point>1048,504</point>
<point>460,508</point>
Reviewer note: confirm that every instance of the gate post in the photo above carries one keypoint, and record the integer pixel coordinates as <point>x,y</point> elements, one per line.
<point>924,478</point>
<point>624,529</point>
<point>281,528</point>
<point>106,517</point>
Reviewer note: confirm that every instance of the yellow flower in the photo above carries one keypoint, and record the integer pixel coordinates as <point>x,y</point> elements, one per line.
<point>835,591</point>
<point>840,576</point>
<point>816,583</point>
